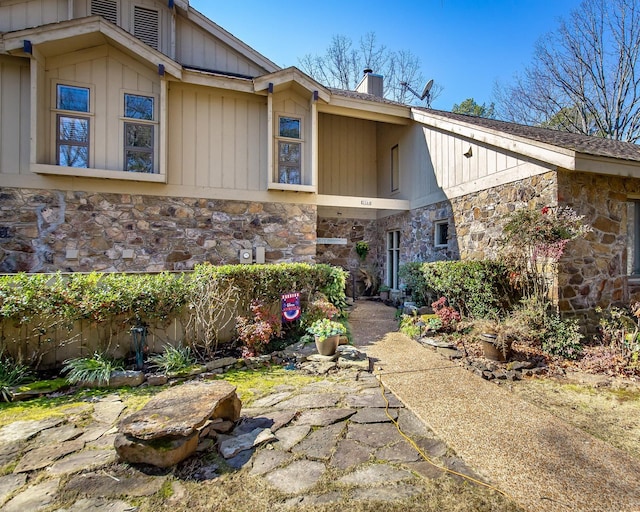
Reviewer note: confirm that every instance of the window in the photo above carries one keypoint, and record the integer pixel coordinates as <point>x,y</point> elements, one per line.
<point>289,150</point>
<point>393,258</point>
<point>395,169</point>
<point>139,133</point>
<point>441,236</point>
<point>633,238</point>
<point>72,130</point>
<point>145,26</point>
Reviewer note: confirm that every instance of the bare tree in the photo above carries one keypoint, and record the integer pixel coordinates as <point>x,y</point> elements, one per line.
<point>584,76</point>
<point>342,64</point>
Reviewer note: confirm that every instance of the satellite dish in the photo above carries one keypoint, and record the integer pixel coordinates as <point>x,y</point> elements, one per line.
<point>425,92</point>
<point>427,89</point>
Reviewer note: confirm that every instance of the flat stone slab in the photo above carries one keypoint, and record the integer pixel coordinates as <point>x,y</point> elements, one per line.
<point>324,417</point>
<point>374,415</point>
<point>271,400</point>
<point>320,499</point>
<point>10,483</point>
<point>36,497</point>
<point>25,430</point>
<point>87,459</point>
<point>288,437</point>
<point>233,445</point>
<point>99,485</point>
<point>273,420</point>
<point>99,505</point>
<point>45,455</point>
<point>374,434</point>
<point>107,411</point>
<point>180,410</point>
<point>398,452</point>
<point>411,425</point>
<point>223,362</point>
<point>320,443</point>
<point>350,453</point>
<point>318,367</point>
<point>372,397</point>
<point>310,401</point>
<point>10,452</point>
<point>297,477</point>
<point>55,435</point>
<point>375,474</point>
<point>267,460</point>
<point>387,493</point>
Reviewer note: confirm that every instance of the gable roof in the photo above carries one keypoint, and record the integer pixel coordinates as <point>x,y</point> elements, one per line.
<point>574,142</point>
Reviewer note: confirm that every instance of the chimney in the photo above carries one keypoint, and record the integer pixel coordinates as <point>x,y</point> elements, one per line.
<point>371,84</point>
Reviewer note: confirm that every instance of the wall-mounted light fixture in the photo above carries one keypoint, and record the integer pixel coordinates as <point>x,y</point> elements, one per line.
<point>469,152</point>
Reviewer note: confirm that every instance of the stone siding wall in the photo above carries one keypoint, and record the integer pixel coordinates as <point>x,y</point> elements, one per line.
<point>38,227</point>
<point>595,270</point>
<point>345,256</point>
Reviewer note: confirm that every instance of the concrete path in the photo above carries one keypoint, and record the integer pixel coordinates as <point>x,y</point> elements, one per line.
<point>539,460</point>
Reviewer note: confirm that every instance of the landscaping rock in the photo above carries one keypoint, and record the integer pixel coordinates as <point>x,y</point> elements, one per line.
<point>45,455</point>
<point>157,379</point>
<point>84,460</point>
<point>99,505</point>
<point>235,444</point>
<point>386,494</point>
<point>108,411</point>
<point>162,452</point>
<point>288,437</point>
<point>267,460</point>
<point>24,430</point>
<point>350,453</point>
<point>324,417</point>
<point>310,401</point>
<point>375,474</point>
<point>101,484</point>
<point>131,378</point>
<point>320,443</point>
<point>9,483</point>
<point>374,434</point>
<point>34,498</point>
<point>179,411</point>
<point>375,415</point>
<point>220,363</point>
<point>398,452</point>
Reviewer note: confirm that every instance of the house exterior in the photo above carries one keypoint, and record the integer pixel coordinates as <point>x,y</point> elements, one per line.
<point>138,135</point>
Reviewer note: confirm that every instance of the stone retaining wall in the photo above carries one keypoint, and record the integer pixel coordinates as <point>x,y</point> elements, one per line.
<point>39,229</point>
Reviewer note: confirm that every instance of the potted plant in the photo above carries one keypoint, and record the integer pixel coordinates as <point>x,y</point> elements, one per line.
<point>327,335</point>
<point>362,249</point>
<point>384,292</point>
<point>496,339</point>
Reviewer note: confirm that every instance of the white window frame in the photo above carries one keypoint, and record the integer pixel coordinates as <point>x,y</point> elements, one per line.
<point>279,139</point>
<point>393,259</point>
<point>633,238</point>
<point>395,169</point>
<point>128,120</point>
<point>438,228</point>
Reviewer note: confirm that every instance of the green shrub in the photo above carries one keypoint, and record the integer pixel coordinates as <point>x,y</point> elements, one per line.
<point>173,359</point>
<point>562,337</point>
<point>412,276</point>
<point>90,369</point>
<point>479,289</point>
<point>409,326</point>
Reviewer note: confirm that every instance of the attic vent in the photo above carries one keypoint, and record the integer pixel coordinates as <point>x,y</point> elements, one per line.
<point>108,9</point>
<point>145,25</point>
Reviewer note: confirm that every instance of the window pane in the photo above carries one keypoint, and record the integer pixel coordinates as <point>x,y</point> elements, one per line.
<point>289,174</point>
<point>73,156</point>
<point>138,136</point>
<point>289,152</point>
<point>138,107</point>
<point>138,161</point>
<point>289,127</point>
<point>73,98</point>
<point>73,129</point>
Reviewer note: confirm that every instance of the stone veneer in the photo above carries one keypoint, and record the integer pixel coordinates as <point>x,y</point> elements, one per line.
<point>39,227</point>
<point>345,256</point>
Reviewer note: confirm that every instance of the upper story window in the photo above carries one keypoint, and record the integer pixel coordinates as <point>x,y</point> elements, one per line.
<point>108,9</point>
<point>145,25</point>
<point>139,133</point>
<point>289,145</point>
<point>72,128</point>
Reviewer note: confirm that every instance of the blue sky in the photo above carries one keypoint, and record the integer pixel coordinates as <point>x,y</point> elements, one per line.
<point>464,45</point>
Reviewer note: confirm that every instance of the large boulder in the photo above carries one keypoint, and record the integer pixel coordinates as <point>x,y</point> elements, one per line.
<point>166,430</point>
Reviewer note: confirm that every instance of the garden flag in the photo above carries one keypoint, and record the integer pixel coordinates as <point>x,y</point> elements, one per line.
<point>290,306</point>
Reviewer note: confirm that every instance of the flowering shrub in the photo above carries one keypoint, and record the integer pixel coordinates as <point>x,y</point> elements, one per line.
<point>325,328</point>
<point>318,308</point>
<point>534,241</point>
<point>255,333</point>
<point>447,315</point>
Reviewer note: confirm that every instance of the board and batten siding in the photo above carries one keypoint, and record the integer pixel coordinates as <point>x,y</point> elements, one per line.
<point>109,73</point>
<point>14,115</point>
<point>18,14</point>
<point>347,156</point>
<point>196,48</point>
<point>217,138</point>
<point>442,170</point>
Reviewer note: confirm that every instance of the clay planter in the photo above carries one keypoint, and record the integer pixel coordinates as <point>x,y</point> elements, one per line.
<point>328,346</point>
<point>492,350</point>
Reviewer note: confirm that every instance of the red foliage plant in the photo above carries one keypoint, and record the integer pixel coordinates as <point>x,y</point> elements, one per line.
<point>447,315</point>
<point>255,333</point>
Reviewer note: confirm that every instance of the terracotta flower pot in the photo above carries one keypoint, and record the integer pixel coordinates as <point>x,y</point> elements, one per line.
<point>328,346</point>
<point>492,351</point>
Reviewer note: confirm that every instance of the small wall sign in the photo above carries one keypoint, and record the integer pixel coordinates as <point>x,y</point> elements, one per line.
<point>290,306</point>
<point>331,241</point>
